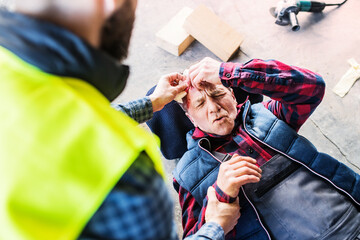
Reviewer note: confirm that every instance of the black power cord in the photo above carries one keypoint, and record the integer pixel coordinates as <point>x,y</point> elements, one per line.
<point>336,4</point>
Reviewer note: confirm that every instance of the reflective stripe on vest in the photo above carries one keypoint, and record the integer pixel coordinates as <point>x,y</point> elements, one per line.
<point>62,149</point>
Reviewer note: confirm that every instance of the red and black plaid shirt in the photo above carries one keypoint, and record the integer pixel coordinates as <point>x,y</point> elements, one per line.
<point>294,93</point>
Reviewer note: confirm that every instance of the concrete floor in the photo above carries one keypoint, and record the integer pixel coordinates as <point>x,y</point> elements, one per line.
<point>323,44</point>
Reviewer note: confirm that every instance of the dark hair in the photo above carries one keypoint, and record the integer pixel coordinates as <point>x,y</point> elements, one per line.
<point>116,32</point>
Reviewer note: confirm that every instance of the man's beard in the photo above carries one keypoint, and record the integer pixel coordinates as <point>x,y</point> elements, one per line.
<point>116,32</point>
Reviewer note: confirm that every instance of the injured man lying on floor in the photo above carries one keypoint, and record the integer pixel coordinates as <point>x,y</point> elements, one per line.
<point>286,188</point>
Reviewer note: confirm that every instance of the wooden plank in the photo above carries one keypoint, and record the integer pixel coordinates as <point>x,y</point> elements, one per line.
<point>219,37</point>
<point>348,79</point>
<point>173,37</point>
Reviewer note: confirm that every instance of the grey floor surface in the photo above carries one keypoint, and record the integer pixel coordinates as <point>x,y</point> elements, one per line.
<point>323,44</point>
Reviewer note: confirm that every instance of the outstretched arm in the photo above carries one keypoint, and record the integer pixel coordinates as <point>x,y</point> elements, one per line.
<point>295,92</point>
<point>142,109</point>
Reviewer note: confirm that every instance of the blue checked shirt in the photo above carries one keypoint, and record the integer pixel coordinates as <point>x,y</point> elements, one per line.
<point>139,206</point>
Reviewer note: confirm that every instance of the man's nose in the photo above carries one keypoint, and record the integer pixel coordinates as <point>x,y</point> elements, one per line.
<point>213,106</point>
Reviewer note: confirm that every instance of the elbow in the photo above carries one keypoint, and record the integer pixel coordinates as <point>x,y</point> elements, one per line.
<point>320,89</point>
<point>320,81</point>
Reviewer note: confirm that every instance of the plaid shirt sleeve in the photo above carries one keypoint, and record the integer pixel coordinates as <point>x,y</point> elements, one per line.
<point>210,231</point>
<point>221,196</point>
<point>140,110</point>
<point>295,92</point>
<point>193,215</point>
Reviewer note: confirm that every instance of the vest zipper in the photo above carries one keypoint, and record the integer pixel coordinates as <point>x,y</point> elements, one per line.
<point>208,152</point>
<point>246,130</point>
<point>257,214</point>
<point>262,225</point>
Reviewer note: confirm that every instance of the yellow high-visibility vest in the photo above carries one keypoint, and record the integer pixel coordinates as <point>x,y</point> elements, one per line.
<point>62,149</point>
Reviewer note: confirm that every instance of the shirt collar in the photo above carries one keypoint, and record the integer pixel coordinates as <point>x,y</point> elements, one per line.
<point>58,51</point>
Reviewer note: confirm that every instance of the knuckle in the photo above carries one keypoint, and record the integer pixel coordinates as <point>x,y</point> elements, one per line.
<point>246,178</point>
<point>243,164</point>
<point>225,166</point>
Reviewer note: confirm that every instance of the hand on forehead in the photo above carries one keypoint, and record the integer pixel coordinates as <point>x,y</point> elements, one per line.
<point>205,72</point>
<point>203,79</point>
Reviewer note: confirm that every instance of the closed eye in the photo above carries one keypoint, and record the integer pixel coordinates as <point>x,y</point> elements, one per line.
<point>218,95</point>
<point>200,104</point>
<point>215,93</point>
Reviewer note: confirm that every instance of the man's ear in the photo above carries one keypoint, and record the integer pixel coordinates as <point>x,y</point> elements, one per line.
<point>189,117</point>
<point>232,93</point>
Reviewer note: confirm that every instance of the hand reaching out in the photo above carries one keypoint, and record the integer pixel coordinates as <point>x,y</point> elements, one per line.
<point>200,74</point>
<point>225,214</point>
<point>236,172</point>
<point>166,90</point>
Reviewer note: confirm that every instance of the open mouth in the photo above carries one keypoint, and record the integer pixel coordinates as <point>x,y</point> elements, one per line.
<point>219,119</point>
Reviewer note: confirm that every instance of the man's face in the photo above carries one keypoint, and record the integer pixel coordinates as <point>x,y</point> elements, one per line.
<point>116,32</point>
<point>213,110</point>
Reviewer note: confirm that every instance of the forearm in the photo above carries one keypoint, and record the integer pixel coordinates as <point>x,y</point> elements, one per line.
<point>222,196</point>
<point>295,92</point>
<point>193,215</point>
<point>140,110</point>
<point>195,227</point>
<point>211,230</point>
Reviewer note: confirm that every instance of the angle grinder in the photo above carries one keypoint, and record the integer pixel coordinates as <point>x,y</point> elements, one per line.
<point>286,10</point>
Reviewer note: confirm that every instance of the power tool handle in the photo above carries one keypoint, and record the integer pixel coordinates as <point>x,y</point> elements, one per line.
<point>311,6</point>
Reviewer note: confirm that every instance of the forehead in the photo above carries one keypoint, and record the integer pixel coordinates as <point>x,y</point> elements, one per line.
<point>195,94</point>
